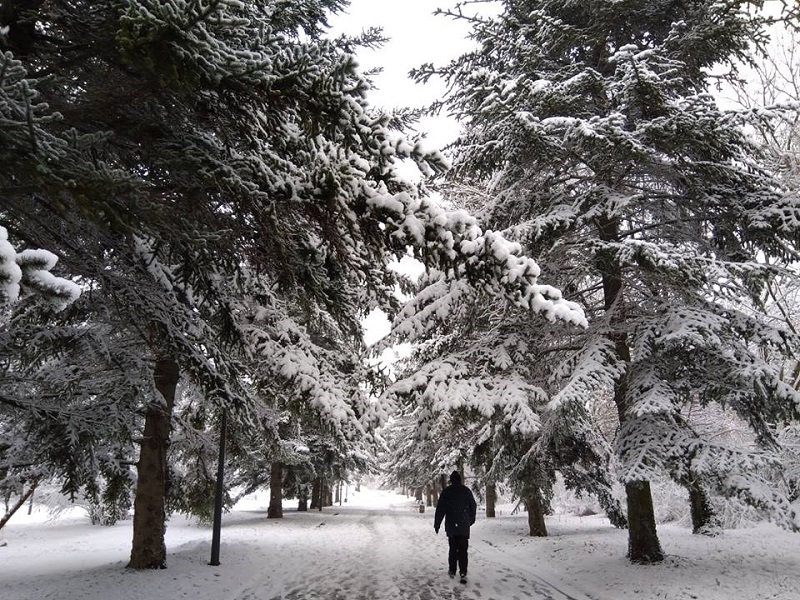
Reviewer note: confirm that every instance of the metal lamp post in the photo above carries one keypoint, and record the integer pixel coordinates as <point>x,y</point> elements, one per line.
<point>215,536</point>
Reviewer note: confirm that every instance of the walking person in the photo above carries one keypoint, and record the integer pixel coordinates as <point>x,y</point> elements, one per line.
<point>457,507</point>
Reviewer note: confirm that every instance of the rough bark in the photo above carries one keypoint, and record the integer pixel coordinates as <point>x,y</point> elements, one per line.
<point>491,486</point>
<point>491,500</point>
<point>149,550</point>
<point>643,544</point>
<point>535,508</point>
<point>275,509</point>
<point>704,518</point>
<point>316,494</point>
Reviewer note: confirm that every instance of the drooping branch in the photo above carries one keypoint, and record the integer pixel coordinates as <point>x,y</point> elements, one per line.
<point>22,499</point>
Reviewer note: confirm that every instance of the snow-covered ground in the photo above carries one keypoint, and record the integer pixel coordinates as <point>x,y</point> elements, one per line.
<point>377,546</point>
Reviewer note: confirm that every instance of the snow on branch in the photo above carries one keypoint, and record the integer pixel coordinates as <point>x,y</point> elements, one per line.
<point>453,242</point>
<point>304,372</point>
<point>451,384</point>
<point>762,495</point>
<point>10,273</point>
<point>31,269</point>
<point>595,368</point>
<point>36,275</point>
<point>650,445</point>
<point>701,349</point>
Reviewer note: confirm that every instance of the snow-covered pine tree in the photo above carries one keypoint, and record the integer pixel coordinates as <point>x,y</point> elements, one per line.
<point>406,460</point>
<point>68,409</point>
<point>250,155</point>
<point>773,79</point>
<point>30,156</point>
<point>478,382</point>
<point>415,461</point>
<point>45,433</point>
<point>593,128</point>
<point>312,372</point>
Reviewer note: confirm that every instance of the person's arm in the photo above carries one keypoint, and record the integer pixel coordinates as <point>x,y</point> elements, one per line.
<point>441,510</point>
<point>473,507</point>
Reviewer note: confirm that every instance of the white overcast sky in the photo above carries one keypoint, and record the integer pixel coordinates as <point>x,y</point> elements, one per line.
<point>416,37</point>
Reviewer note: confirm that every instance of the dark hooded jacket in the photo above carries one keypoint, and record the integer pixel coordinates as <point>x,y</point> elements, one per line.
<point>457,507</point>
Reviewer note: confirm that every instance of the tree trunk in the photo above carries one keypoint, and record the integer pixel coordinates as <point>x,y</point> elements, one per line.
<point>316,494</point>
<point>275,510</point>
<point>643,544</point>
<point>704,519</point>
<point>491,500</point>
<point>11,510</point>
<point>337,499</point>
<point>491,485</point>
<point>429,491</point>
<point>149,550</point>
<point>535,508</point>
<point>302,498</point>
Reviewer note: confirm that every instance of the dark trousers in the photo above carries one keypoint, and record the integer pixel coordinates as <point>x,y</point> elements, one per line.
<point>457,556</point>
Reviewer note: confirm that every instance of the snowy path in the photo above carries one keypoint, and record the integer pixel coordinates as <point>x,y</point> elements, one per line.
<point>394,555</point>
<point>377,547</point>
<point>342,553</point>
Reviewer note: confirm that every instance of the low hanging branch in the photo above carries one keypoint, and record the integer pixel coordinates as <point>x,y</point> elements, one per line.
<point>19,504</point>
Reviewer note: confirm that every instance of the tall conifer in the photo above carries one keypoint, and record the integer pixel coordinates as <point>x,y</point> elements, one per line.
<point>593,128</point>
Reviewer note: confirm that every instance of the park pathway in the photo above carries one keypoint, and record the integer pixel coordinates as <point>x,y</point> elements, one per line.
<point>383,549</point>
<point>371,554</point>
